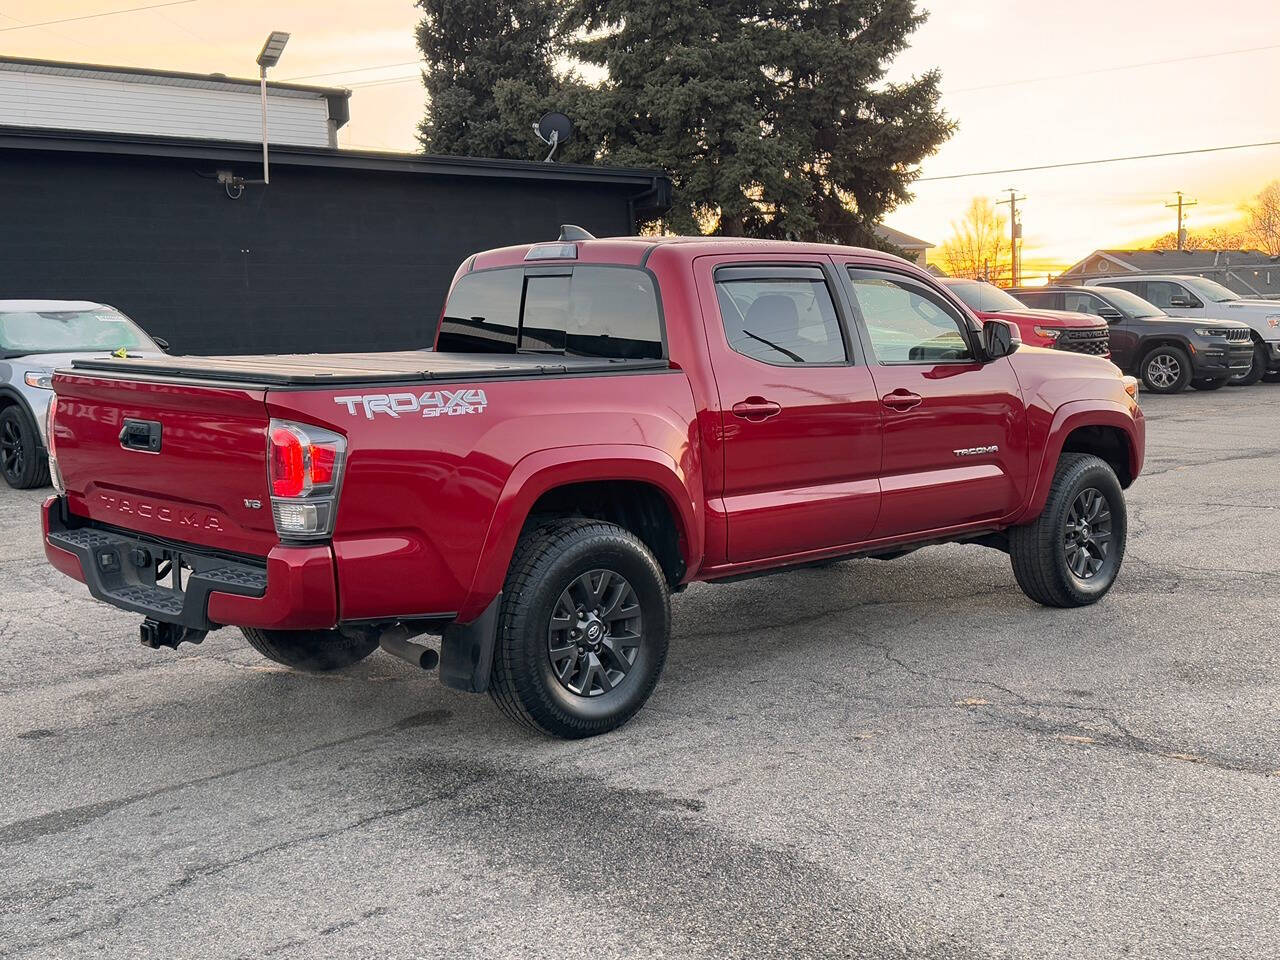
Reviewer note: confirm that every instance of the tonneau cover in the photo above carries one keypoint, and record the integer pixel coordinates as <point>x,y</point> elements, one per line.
<point>337,369</point>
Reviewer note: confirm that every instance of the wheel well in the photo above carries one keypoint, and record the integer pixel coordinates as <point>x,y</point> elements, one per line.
<point>1107,443</point>
<point>1149,345</point>
<point>633,505</point>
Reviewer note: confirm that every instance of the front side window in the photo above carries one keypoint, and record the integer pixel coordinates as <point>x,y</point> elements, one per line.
<point>1038,299</point>
<point>70,331</point>
<point>585,310</point>
<point>1082,303</point>
<point>780,315</point>
<point>908,322</point>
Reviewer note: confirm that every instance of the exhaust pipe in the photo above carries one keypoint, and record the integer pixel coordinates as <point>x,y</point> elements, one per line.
<point>395,640</point>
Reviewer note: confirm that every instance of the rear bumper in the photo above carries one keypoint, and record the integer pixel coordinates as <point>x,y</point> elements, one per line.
<point>294,588</point>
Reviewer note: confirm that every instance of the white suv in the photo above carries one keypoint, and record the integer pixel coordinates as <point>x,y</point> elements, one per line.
<point>1200,298</point>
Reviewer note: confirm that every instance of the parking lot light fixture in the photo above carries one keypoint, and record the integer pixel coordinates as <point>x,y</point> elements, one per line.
<point>269,56</point>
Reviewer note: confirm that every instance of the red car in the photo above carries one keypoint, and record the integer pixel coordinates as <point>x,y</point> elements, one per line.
<point>601,422</point>
<point>1055,329</point>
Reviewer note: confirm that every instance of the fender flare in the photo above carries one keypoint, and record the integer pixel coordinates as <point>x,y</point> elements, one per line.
<point>9,395</point>
<point>545,470</point>
<point>1069,417</point>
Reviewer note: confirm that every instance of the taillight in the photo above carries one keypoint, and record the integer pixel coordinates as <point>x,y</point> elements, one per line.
<point>304,467</point>
<point>50,421</point>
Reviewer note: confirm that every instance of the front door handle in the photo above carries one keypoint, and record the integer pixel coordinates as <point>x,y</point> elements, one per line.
<point>902,400</point>
<point>756,409</point>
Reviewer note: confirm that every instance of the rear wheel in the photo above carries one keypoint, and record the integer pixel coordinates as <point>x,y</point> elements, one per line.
<point>1069,556</point>
<point>1209,384</point>
<point>1165,370</point>
<point>582,637</point>
<point>20,458</point>
<point>315,651</point>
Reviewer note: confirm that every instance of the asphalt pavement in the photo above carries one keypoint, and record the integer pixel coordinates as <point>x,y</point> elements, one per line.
<point>873,760</point>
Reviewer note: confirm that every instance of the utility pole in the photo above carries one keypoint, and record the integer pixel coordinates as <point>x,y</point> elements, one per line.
<point>1182,237</point>
<point>1015,231</point>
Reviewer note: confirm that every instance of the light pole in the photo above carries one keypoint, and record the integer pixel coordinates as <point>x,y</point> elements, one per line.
<point>268,57</point>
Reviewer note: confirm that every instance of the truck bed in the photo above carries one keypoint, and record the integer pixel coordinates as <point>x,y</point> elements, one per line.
<point>340,369</point>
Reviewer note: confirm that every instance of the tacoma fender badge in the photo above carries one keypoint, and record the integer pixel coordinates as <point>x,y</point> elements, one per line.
<point>976,451</point>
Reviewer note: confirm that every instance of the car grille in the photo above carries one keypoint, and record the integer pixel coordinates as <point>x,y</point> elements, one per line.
<point>1095,342</point>
<point>1237,334</point>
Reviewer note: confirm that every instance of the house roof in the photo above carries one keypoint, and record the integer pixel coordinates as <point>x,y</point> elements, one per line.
<point>1175,261</point>
<point>904,240</point>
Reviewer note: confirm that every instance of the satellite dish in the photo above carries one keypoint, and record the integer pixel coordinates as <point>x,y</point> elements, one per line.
<point>553,129</point>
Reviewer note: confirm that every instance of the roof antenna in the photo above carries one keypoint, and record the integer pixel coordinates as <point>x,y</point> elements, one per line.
<point>553,129</point>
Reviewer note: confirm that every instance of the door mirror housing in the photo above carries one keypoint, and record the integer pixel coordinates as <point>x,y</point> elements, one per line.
<point>161,342</point>
<point>1180,301</point>
<point>999,339</point>
<point>1110,314</point>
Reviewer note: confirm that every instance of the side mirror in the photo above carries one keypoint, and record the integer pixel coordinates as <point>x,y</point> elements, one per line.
<point>999,339</point>
<point>162,343</point>
<point>1179,301</point>
<point>1110,314</point>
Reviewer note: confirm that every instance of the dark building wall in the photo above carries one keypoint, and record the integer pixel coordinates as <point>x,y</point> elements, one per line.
<point>324,259</point>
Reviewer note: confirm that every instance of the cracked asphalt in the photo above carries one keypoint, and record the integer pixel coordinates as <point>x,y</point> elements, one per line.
<point>873,760</point>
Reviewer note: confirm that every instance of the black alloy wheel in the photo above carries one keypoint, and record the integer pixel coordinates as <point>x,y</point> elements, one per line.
<point>1087,539</point>
<point>595,633</point>
<point>12,454</point>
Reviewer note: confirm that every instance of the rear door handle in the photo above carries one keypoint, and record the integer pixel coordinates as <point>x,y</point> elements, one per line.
<point>756,409</point>
<point>902,400</point>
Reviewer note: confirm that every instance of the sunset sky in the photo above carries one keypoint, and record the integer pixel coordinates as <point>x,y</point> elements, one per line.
<point>1030,83</point>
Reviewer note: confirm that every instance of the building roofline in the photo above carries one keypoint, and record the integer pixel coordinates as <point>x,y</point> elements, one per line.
<point>653,186</point>
<point>339,97</point>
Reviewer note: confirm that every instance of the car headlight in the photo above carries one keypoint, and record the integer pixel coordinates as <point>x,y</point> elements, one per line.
<point>1051,332</point>
<point>42,380</point>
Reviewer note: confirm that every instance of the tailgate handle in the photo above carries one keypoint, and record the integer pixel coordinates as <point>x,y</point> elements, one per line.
<point>143,435</point>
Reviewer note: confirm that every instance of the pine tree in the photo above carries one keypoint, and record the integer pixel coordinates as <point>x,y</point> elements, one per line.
<point>490,75</point>
<point>772,116</point>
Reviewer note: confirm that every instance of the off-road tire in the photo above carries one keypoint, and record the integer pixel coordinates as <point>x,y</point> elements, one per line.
<point>1257,371</point>
<point>552,555</point>
<point>1146,371</point>
<point>1038,549</point>
<point>315,651</point>
<point>1209,384</point>
<point>21,460</point>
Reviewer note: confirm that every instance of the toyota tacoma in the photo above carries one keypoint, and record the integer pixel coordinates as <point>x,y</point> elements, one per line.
<point>601,422</point>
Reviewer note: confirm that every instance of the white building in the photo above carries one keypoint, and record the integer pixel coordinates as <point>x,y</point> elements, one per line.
<point>56,95</point>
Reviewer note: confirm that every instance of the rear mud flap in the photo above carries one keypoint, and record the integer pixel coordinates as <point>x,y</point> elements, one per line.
<point>466,651</point>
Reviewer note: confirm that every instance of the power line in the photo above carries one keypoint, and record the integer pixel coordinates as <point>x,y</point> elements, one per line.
<point>340,73</point>
<point>1091,163</point>
<point>95,16</point>
<point>1129,66</point>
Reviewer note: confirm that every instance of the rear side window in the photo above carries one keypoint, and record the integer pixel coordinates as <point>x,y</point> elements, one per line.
<point>593,311</point>
<point>1045,301</point>
<point>780,315</point>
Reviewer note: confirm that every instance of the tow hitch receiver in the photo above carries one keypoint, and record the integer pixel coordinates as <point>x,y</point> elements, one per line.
<point>156,634</point>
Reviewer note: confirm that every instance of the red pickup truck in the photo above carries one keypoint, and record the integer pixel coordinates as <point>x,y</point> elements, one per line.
<point>600,423</point>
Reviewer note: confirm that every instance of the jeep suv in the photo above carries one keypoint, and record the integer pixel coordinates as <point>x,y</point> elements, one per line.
<point>1199,298</point>
<point>1166,352</point>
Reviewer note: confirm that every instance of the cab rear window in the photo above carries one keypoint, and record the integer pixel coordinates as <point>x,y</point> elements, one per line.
<point>583,310</point>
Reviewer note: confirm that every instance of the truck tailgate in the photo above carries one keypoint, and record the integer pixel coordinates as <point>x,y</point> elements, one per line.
<point>206,484</point>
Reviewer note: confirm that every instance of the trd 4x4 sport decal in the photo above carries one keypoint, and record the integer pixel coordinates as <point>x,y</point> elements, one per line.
<point>433,403</point>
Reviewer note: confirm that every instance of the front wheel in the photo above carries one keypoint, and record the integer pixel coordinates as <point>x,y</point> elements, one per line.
<point>316,651</point>
<point>1209,384</point>
<point>1257,371</point>
<point>1069,556</point>
<point>20,458</point>
<point>1165,369</point>
<point>582,637</point>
